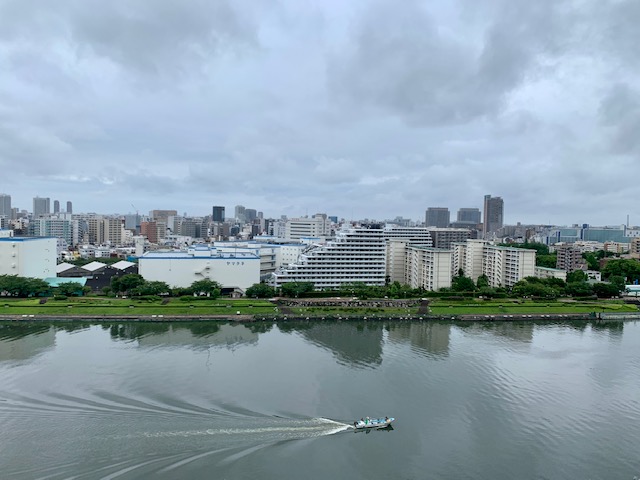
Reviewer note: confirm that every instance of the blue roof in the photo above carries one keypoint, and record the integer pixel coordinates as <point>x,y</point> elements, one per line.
<point>56,281</point>
<point>22,239</point>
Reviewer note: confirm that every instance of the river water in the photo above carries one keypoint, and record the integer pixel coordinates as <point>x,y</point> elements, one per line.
<point>276,401</point>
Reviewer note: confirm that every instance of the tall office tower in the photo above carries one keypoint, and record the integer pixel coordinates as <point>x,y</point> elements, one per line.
<point>469,215</point>
<point>239,213</point>
<point>5,205</point>
<point>250,214</point>
<point>69,207</point>
<point>493,215</point>
<point>437,217</point>
<point>41,206</point>
<point>56,206</point>
<point>217,214</point>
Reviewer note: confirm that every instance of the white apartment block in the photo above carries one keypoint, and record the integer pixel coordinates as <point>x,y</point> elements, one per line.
<point>237,270</point>
<point>505,266</point>
<point>28,256</point>
<point>428,268</point>
<point>468,256</point>
<point>357,254</point>
<point>317,226</point>
<point>545,272</point>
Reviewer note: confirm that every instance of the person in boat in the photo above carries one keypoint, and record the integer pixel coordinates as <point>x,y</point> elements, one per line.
<point>386,419</point>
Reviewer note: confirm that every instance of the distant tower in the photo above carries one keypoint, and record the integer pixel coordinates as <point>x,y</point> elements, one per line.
<point>5,205</point>
<point>41,206</point>
<point>493,215</point>
<point>217,214</point>
<point>469,215</point>
<point>437,217</point>
<point>69,207</point>
<point>56,206</point>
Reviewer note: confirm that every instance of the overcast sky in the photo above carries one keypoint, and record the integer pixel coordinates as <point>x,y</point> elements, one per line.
<point>358,109</point>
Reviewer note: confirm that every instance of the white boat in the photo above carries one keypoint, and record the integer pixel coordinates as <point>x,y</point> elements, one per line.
<point>372,423</point>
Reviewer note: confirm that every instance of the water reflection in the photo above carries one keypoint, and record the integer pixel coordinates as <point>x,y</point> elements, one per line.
<point>426,338</point>
<point>353,343</point>
<point>22,341</point>
<point>192,335</point>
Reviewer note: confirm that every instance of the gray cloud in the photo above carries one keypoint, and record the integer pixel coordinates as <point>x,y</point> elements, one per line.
<point>358,109</point>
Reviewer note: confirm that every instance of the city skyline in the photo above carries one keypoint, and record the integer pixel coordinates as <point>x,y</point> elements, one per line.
<point>359,109</point>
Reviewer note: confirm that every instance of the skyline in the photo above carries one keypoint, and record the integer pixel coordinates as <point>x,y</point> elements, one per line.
<point>359,110</point>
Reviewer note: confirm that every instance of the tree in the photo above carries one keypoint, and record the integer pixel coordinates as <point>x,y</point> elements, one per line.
<point>206,287</point>
<point>69,289</point>
<point>296,289</point>
<point>547,261</point>
<point>482,282</point>
<point>260,290</point>
<point>579,289</point>
<point>606,290</point>
<point>15,286</point>
<point>126,283</point>
<point>461,283</point>
<point>577,276</point>
<point>629,269</point>
<point>151,288</point>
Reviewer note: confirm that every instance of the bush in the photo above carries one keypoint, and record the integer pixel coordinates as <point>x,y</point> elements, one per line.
<point>59,297</point>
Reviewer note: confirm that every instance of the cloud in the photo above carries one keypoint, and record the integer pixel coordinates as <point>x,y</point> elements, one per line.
<point>402,61</point>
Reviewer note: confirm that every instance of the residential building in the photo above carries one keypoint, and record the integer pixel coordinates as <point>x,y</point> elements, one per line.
<point>357,255</point>
<point>149,230</point>
<point>634,247</point>
<point>69,207</point>
<point>41,206</point>
<point>467,256</point>
<point>569,258</point>
<point>505,266</point>
<point>233,270</point>
<point>544,272</point>
<point>62,227</point>
<point>56,206</point>
<point>437,217</point>
<point>162,215</point>
<point>445,237</point>
<point>493,215</point>
<point>28,257</point>
<point>428,268</point>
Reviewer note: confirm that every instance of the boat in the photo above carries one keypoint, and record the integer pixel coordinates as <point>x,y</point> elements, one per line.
<point>373,423</point>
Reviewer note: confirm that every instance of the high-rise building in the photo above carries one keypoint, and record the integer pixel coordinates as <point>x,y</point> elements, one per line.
<point>239,213</point>
<point>437,217</point>
<point>493,215</point>
<point>56,206</point>
<point>69,207</point>
<point>250,214</point>
<point>5,206</point>
<point>469,215</point>
<point>149,230</point>
<point>41,206</point>
<point>217,214</point>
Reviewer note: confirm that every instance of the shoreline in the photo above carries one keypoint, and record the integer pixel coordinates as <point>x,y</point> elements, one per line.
<point>627,316</point>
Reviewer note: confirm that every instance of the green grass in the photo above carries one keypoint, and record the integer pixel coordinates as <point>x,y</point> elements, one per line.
<point>96,306</point>
<point>512,307</point>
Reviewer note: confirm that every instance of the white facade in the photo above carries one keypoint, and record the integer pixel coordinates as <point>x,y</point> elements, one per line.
<point>356,255</point>
<point>239,269</point>
<point>544,272</point>
<point>317,226</point>
<point>28,257</point>
<point>505,266</point>
<point>428,268</point>
<point>468,256</point>
<point>396,260</point>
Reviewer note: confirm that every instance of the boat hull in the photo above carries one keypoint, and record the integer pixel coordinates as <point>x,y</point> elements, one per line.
<point>373,423</point>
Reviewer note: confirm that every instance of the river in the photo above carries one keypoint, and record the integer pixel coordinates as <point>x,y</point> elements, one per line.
<point>277,401</point>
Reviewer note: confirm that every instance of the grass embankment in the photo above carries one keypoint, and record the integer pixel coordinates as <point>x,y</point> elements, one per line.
<point>513,307</point>
<point>97,306</point>
<point>175,307</point>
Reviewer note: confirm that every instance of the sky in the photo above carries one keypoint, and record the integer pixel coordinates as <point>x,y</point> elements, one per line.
<point>359,109</point>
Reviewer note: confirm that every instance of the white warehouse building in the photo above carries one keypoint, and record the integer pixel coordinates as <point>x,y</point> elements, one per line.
<point>231,269</point>
<point>28,257</point>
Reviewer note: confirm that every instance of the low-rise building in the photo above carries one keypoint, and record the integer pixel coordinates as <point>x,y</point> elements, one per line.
<point>233,270</point>
<point>28,257</point>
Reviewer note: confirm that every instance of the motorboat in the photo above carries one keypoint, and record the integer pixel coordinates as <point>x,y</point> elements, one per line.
<point>372,423</point>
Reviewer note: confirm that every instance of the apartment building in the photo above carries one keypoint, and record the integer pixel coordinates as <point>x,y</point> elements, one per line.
<point>58,227</point>
<point>505,266</point>
<point>445,237</point>
<point>357,254</point>
<point>317,226</point>
<point>569,258</point>
<point>428,268</point>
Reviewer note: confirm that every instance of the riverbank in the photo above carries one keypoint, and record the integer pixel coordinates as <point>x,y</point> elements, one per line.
<point>252,310</point>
